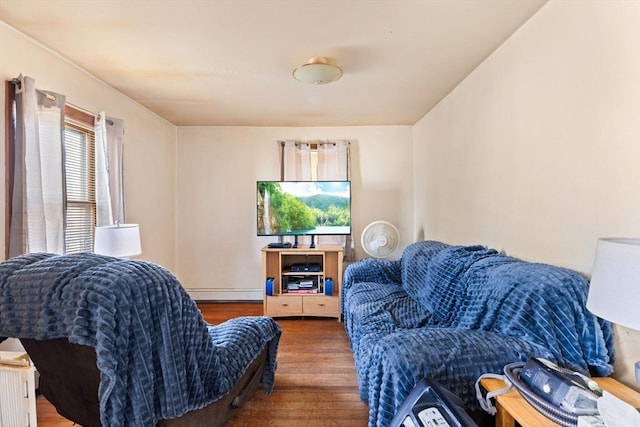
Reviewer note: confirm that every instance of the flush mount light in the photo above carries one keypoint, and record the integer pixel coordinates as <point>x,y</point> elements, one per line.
<point>317,71</point>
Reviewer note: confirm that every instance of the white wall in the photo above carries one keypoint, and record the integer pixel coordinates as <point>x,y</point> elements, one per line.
<point>149,140</point>
<point>218,251</point>
<point>537,152</point>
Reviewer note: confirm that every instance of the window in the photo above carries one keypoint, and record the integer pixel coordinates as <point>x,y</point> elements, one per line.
<point>80,200</point>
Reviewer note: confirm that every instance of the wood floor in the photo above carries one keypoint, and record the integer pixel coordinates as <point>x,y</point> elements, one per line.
<point>315,384</point>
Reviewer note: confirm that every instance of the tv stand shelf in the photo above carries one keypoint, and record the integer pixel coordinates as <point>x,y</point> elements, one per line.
<point>300,276</point>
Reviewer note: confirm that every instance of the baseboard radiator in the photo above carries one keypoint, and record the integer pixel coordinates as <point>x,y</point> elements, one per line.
<point>17,391</point>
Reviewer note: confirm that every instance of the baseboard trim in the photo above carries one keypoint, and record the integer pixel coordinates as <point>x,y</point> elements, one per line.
<point>225,294</point>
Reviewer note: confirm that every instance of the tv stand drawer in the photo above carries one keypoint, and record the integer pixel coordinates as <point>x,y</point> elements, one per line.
<point>284,305</point>
<point>320,306</point>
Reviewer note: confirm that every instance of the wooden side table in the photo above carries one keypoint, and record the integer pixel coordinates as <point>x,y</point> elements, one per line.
<point>512,407</point>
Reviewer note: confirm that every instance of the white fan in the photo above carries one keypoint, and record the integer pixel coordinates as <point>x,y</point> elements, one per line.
<point>380,239</point>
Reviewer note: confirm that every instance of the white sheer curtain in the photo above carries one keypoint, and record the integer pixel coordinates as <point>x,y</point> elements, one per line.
<point>332,165</point>
<point>109,139</point>
<point>37,217</point>
<point>296,161</point>
<point>333,160</point>
<point>36,162</point>
<point>296,166</point>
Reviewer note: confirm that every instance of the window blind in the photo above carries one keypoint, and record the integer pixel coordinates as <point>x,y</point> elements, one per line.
<point>80,187</point>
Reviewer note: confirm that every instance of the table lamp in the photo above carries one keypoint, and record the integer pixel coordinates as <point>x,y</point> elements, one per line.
<point>614,292</point>
<point>119,240</point>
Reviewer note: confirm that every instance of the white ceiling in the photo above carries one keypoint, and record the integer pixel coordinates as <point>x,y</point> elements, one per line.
<point>230,62</point>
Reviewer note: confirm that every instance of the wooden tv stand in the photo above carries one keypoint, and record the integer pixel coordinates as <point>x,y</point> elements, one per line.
<point>300,281</point>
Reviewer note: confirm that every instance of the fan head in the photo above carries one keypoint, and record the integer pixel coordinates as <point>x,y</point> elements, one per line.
<point>380,239</point>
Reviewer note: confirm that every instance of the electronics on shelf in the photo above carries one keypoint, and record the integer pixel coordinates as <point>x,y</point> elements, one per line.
<point>311,267</point>
<point>278,245</point>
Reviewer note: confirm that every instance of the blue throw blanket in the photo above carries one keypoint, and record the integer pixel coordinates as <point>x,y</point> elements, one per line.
<point>157,357</point>
<point>478,288</point>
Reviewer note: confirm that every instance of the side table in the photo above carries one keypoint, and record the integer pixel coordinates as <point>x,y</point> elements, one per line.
<point>512,407</point>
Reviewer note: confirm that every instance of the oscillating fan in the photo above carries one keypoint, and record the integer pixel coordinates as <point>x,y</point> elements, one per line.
<point>380,239</point>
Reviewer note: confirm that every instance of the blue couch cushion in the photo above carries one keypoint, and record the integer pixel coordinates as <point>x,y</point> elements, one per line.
<point>367,301</point>
<point>434,275</point>
<point>454,357</point>
<point>370,270</point>
<point>376,310</point>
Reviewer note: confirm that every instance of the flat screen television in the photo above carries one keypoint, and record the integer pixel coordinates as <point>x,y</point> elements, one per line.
<point>294,208</point>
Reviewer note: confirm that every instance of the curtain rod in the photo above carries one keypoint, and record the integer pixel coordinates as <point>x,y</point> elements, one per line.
<point>316,142</point>
<point>16,81</point>
<point>91,113</point>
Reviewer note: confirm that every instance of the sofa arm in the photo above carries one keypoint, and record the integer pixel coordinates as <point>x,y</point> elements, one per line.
<point>372,270</point>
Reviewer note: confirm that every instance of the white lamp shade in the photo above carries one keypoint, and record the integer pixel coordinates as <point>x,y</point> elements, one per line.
<point>614,292</point>
<point>121,240</point>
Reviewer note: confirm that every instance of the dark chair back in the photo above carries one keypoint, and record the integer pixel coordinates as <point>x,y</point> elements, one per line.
<point>69,378</point>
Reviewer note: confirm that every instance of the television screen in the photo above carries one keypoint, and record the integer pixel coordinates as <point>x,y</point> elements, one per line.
<point>303,207</point>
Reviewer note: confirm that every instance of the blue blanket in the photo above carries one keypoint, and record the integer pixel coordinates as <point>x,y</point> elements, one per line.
<point>478,288</point>
<point>157,357</point>
<point>454,313</point>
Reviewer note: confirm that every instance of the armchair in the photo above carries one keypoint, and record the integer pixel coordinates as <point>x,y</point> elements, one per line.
<point>120,342</point>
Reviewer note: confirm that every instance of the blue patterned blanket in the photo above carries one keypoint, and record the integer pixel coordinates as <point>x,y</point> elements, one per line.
<point>157,356</point>
<point>454,313</point>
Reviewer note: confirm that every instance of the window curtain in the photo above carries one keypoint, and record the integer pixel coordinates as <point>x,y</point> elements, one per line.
<point>37,213</point>
<point>37,167</point>
<point>332,164</point>
<point>333,161</point>
<point>296,166</point>
<point>296,161</point>
<point>109,139</point>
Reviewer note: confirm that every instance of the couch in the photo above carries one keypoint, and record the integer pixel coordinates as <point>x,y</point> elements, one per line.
<point>120,342</point>
<point>453,313</point>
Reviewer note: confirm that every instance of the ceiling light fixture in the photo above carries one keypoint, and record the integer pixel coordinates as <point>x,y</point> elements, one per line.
<point>317,71</point>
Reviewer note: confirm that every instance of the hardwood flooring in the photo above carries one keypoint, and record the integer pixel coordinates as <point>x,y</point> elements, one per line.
<point>316,382</point>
